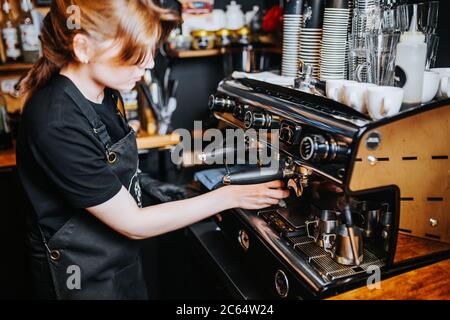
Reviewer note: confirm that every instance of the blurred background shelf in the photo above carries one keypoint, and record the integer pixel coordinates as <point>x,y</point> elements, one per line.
<point>183,54</point>
<point>15,67</point>
<point>146,142</point>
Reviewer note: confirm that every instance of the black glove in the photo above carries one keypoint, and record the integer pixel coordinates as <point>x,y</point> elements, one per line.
<point>161,191</point>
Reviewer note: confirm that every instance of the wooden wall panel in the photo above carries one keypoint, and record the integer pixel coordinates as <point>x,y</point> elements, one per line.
<point>424,182</point>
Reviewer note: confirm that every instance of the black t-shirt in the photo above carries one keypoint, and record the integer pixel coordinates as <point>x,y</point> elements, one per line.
<point>60,161</point>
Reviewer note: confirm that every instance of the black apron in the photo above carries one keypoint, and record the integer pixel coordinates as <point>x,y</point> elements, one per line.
<point>109,264</point>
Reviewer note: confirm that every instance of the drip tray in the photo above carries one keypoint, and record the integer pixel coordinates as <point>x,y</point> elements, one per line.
<point>326,266</point>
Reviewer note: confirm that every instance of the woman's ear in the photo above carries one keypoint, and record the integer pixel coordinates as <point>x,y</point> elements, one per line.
<point>82,48</point>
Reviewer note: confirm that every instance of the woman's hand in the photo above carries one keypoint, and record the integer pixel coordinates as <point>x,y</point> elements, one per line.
<point>254,197</point>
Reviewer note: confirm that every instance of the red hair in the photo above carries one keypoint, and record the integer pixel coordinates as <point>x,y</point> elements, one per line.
<point>138,25</point>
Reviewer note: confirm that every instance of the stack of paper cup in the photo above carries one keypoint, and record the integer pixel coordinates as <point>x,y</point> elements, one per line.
<point>292,26</point>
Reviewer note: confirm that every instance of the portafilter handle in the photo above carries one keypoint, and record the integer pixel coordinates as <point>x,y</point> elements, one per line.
<point>257,176</point>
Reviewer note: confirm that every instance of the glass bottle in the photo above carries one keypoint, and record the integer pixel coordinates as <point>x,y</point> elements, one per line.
<point>31,46</point>
<point>10,35</point>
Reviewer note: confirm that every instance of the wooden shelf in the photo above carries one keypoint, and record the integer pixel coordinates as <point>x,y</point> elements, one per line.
<point>210,53</point>
<point>7,158</point>
<point>157,142</point>
<point>195,53</point>
<point>14,67</point>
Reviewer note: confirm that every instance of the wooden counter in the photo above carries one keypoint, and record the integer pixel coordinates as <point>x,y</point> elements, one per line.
<point>7,158</point>
<point>157,142</point>
<point>430,282</point>
<point>427,283</point>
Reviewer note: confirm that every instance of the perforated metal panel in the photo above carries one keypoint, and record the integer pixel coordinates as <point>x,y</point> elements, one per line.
<point>326,266</point>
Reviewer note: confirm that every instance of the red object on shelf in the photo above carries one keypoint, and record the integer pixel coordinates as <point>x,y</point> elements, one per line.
<point>273,19</point>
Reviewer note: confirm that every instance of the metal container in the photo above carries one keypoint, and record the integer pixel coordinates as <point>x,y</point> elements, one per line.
<point>343,253</point>
<point>224,38</point>
<point>247,58</point>
<point>243,36</point>
<point>325,228</point>
<point>203,40</point>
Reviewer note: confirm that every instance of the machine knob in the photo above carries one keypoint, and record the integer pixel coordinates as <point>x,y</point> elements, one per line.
<point>286,134</point>
<point>259,120</point>
<point>248,120</point>
<point>254,120</point>
<point>221,104</point>
<point>318,148</point>
<point>314,148</point>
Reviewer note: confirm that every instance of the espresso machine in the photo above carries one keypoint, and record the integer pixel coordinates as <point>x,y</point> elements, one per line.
<point>365,195</point>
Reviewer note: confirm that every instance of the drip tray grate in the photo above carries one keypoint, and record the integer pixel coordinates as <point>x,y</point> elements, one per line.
<point>298,241</point>
<point>325,264</point>
<point>311,250</point>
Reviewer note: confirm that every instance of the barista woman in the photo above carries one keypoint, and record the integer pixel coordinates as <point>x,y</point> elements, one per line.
<point>78,160</point>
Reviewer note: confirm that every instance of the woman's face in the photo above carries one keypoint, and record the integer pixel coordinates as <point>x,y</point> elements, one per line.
<point>120,77</point>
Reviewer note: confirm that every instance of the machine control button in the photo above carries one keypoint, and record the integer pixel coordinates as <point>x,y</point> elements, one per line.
<point>281,284</point>
<point>372,160</point>
<point>259,120</point>
<point>318,148</point>
<point>248,119</point>
<point>221,104</point>
<point>434,222</point>
<point>244,240</point>
<point>314,148</point>
<point>373,141</point>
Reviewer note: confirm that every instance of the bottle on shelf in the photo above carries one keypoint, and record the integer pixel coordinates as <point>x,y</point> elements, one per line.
<point>10,35</point>
<point>254,19</point>
<point>31,45</point>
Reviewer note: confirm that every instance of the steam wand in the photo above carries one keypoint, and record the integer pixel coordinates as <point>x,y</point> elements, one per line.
<point>351,231</point>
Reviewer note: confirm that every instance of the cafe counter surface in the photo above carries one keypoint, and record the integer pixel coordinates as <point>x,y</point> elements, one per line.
<point>430,283</point>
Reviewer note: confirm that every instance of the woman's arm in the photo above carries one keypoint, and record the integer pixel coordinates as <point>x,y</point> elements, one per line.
<point>123,215</point>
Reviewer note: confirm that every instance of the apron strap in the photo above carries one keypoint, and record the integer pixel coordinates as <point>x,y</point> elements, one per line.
<point>88,111</point>
<point>120,107</point>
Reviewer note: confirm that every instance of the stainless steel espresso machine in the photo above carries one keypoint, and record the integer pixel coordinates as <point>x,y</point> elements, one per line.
<point>366,195</point>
